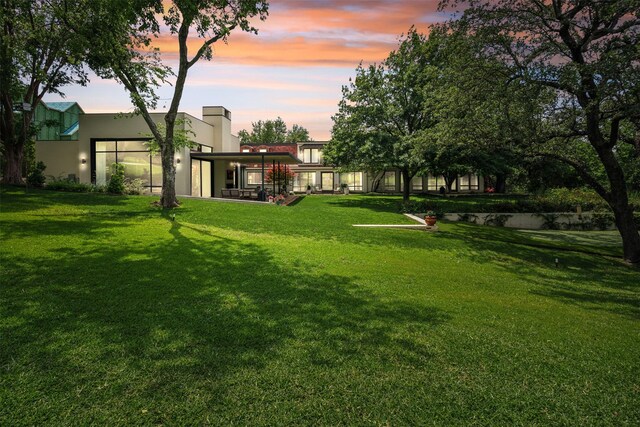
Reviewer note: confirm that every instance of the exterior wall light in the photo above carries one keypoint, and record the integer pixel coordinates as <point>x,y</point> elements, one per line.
<point>83,161</point>
<point>178,161</point>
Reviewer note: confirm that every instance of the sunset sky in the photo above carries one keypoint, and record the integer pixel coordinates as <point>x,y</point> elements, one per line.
<point>294,68</point>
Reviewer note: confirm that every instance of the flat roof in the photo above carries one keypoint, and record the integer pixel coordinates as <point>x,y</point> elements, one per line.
<point>286,158</point>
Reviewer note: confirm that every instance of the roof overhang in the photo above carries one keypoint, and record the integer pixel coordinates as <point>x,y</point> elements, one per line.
<point>283,158</point>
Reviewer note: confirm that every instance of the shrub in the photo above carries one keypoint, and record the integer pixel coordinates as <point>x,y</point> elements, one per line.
<point>36,177</point>
<point>498,220</point>
<point>602,220</point>
<point>550,221</point>
<point>134,186</point>
<point>116,182</point>
<point>65,184</point>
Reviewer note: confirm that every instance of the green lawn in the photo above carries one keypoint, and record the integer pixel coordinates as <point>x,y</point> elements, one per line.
<point>111,313</point>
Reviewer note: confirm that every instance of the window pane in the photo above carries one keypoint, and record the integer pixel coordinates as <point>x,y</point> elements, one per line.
<point>206,179</point>
<point>136,166</point>
<point>105,146</point>
<point>254,178</point>
<point>464,182</point>
<point>206,149</point>
<point>474,185</point>
<point>432,183</point>
<point>156,170</point>
<point>195,178</point>
<point>103,167</point>
<point>352,179</point>
<point>303,179</point>
<point>132,146</point>
<point>416,183</point>
<point>390,181</point>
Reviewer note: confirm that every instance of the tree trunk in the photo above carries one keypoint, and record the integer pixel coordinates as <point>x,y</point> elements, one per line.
<point>618,200</point>
<point>630,237</point>
<point>12,173</point>
<point>406,185</point>
<point>168,199</point>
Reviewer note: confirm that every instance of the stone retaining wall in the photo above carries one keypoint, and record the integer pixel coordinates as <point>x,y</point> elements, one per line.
<point>537,221</point>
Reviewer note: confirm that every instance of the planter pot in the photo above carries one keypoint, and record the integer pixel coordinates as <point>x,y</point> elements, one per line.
<point>308,192</point>
<point>346,190</point>
<point>430,220</point>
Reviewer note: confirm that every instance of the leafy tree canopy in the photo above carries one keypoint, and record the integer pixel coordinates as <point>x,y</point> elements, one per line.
<point>585,52</point>
<point>386,108</point>
<point>273,132</point>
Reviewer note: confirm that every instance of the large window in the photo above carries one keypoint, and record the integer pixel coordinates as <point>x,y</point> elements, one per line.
<point>434,183</point>
<point>134,155</point>
<point>389,181</point>
<point>312,155</point>
<point>468,182</point>
<point>303,179</point>
<point>200,178</point>
<point>254,178</point>
<point>416,183</point>
<point>352,179</point>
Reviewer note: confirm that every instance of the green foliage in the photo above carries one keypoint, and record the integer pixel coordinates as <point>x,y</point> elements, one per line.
<point>134,186</point>
<point>273,132</point>
<point>383,111</point>
<point>497,220</point>
<point>38,55</point>
<point>550,220</point>
<point>116,181</point>
<point>64,184</point>
<point>36,176</point>
<point>553,201</point>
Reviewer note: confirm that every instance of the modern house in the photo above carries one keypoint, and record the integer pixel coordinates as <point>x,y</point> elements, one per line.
<point>87,147</point>
<point>311,172</point>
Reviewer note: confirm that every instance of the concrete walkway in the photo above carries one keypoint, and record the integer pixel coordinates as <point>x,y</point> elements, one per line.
<point>420,226</point>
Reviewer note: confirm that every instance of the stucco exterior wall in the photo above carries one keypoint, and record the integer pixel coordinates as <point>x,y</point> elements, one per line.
<point>61,158</point>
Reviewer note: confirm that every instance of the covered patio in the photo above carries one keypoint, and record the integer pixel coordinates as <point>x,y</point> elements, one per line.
<point>227,177</point>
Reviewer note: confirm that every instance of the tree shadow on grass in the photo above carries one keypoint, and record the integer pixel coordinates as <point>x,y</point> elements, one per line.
<point>591,281</point>
<point>100,330</point>
<point>19,199</point>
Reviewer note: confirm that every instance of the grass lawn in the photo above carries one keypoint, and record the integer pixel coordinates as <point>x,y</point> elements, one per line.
<point>111,313</point>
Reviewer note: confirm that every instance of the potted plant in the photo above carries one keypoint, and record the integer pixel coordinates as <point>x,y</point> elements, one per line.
<point>430,218</point>
<point>308,189</point>
<point>345,188</point>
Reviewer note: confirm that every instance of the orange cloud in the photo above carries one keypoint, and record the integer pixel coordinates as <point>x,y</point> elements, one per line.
<point>320,33</point>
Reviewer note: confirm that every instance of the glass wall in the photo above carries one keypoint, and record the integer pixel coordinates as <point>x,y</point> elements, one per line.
<point>327,181</point>
<point>200,178</point>
<point>303,179</point>
<point>435,182</point>
<point>416,183</point>
<point>352,179</point>
<point>134,155</point>
<point>389,181</point>
<point>469,182</point>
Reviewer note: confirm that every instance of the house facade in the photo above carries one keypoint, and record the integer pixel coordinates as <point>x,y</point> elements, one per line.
<point>312,173</point>
<point>218,162</point>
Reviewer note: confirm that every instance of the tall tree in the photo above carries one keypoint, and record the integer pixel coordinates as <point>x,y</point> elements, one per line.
<point>483,114</point>
<point>37,56</point>
<point>273,132</point>
<point>384,110</point>
<point>131,58</point>
<point>586,51</point>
